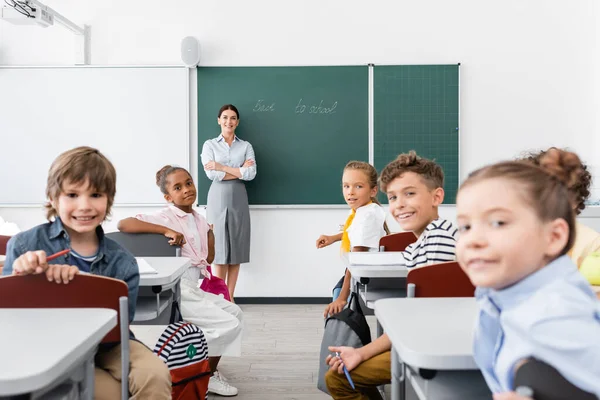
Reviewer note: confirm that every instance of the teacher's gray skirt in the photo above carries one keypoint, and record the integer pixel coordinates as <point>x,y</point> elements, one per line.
<point>227,209</point>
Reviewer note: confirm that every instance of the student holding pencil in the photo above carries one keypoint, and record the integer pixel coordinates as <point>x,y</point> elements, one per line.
<point>81,190</point>
<point>414,188</point>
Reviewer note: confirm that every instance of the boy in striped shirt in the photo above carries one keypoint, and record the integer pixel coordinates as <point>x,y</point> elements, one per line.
<point>414,187</point>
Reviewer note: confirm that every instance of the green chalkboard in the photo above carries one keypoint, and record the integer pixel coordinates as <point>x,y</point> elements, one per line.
<point>305,124</point>
<point>416,108</point>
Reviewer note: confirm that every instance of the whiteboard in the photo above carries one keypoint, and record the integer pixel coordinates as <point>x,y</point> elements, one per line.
<point>136,116</point>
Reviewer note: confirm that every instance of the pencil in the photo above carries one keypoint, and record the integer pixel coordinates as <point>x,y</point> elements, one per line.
<point>56,255</point>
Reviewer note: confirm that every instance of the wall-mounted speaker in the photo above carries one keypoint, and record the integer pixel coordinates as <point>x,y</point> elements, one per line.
<point>190,51</point>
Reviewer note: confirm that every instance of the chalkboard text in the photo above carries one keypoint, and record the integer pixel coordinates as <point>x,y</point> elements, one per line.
<point>261,107</point>
<point>315,109</point>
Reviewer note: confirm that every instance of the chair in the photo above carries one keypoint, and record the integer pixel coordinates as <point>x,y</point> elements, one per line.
<point>145,244</point>
<point>3,243</point>
<point>397,241</point>
<point>439,280</point>
<point>151,245</point>
<point>547,383</point>
<point>392,242</point>
<point>85,291</point>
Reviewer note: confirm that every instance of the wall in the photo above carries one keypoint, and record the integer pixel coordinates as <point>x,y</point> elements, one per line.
<point>528,70</point>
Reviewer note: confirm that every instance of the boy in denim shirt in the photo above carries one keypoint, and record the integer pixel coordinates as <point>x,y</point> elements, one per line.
<point>81,189</point>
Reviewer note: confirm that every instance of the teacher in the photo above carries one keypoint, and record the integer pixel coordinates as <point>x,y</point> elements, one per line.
<point>228,162</point>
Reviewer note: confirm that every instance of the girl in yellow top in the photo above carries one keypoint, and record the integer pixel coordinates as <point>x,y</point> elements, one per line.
<point>587,240</point>
<point>365,224</point>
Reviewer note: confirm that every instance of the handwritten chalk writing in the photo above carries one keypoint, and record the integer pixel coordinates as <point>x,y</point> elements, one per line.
<point>315,109</point>
<point>261,107</point>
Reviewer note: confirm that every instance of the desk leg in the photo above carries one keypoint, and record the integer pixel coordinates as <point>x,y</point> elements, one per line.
<point>176,300</point>
<point>398,377</point>
<point>379,329</point>
<point>88,381</point>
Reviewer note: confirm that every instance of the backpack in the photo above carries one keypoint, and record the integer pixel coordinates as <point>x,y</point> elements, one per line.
<point>182,346</point>
<point>346,328</point>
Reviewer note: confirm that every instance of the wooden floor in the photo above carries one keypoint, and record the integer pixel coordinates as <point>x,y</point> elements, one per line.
<point>280,352</point>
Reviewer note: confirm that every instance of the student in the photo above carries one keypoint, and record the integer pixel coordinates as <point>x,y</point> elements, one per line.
<point>81,189</point>
<point>516,225</point>
<point>363,228</point>
<point>414,187</point>
<point>587,240</point>
<point>220,320</point>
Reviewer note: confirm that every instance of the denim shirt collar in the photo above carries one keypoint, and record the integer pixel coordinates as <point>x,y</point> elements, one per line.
<point>520,291</point>
<point>57,229</point>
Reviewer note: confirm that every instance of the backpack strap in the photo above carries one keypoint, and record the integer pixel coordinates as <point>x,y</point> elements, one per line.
<point>354,304</point>
<point>171,337</point>
<point>175,312</point>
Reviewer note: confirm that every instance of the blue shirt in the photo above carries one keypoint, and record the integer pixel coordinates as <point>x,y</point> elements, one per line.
<point>112,260</point>
<point>82,262</point>
<point>551,315</point>
<point>233,156</point>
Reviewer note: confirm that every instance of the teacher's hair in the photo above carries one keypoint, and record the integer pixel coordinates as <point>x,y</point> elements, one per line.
<point>229,107</point>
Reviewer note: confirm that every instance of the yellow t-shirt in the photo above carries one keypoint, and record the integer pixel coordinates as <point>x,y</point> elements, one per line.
<point>587,241</point>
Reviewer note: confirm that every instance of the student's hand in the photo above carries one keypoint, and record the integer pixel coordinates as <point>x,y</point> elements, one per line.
<point>61,273</point>
<point>248,163</point>
<point>177,238</point>
<point>32,262</point>
<point>324,241</point>
<point>334,307</point>
<point>213,166</point>
<point>349,356</point>
<point>510,396</point>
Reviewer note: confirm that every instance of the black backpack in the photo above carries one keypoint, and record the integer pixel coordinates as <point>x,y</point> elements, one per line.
<point>346,328</point>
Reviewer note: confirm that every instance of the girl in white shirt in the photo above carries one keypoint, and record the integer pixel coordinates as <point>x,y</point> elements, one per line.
<point>365,224</point>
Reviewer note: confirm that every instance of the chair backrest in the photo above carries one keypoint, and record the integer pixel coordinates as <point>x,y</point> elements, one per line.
<point>145,244</point>
<point>397,241</point>
<point>547,383</point>
<point>84,291</point>
<point>440,280</point>
<point>3,242</point>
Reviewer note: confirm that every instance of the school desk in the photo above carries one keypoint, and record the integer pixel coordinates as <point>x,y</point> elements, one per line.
<point>432,334</point>
<point>41,348</point>
<point>165,284</point>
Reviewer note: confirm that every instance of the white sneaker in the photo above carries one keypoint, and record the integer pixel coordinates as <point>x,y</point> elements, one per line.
<point>219,385</point>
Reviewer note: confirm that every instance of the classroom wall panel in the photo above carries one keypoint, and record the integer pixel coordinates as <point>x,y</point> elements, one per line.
<point>137,116</point>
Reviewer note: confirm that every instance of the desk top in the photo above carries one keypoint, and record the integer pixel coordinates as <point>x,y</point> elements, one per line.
<point>169,270</point>
<point>39,345</point>
<point>378,271</point>
<point>375,271</point>
<point>432,333</point>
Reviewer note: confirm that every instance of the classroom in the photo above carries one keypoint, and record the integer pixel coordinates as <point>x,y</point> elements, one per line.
<point>527,80</point>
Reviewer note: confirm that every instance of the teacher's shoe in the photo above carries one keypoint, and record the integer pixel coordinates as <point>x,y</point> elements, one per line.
<point>219,385</point>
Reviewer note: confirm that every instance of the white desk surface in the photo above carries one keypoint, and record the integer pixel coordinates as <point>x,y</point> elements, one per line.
<point>375,271</point>
<point>431,333</point>
<point>169,270</point>
<point>378,271</point>
<point>39,345</point>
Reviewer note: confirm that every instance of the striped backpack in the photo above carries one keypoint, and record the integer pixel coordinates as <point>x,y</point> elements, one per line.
<point>183,348</point>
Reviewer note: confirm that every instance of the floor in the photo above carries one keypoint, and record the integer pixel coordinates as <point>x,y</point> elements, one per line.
<point>280,352</point>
